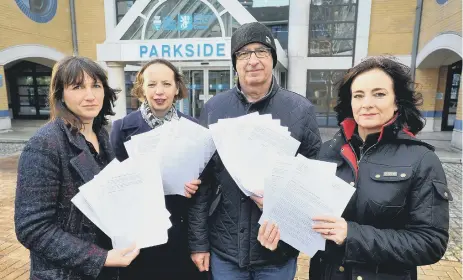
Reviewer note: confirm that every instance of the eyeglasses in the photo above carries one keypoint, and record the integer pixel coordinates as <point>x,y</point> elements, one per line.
<point>260,53</point>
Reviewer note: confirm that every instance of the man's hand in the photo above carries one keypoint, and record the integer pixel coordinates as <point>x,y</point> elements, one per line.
<point>201,261</point>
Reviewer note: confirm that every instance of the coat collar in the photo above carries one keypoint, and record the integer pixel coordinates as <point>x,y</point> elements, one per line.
<point>274,87</point>
<point>84,163</point>
<point>390,130</point>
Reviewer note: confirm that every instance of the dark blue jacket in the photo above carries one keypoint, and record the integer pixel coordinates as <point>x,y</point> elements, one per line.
<point>222,218</point>
<point>63,243</point>
<point>170,260</point>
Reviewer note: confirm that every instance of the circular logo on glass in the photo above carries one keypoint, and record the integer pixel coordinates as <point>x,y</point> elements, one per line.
<point>40,11</point>
<point>441,2</point>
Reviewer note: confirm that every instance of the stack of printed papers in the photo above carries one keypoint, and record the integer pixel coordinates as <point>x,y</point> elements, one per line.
<point>297,189</point>
<point>246,146</point>
<point>126,201</point>
<point>181,147</point>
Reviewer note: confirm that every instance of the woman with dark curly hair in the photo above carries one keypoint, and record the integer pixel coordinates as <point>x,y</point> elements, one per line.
<point>63,155</point>
<point>398,217</point>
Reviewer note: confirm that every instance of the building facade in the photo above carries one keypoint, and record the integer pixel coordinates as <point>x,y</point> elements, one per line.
<point>317,41</point>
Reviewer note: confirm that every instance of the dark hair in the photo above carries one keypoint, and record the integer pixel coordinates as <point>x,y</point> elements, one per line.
<point>137,89</point>
<point>406,98</point>
<point>70,71</point>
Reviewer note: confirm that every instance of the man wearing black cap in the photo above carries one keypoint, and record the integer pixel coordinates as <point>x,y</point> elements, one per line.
<point>223,222</point>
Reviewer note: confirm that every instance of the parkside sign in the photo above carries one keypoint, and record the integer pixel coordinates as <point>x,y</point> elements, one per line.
<point>175,49</point>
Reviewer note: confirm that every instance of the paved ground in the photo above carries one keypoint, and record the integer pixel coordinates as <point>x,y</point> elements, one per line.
<point>14,259</point>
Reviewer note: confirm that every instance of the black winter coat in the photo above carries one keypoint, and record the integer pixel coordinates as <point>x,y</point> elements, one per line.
<point>398,218</point>
<point>222,218</point>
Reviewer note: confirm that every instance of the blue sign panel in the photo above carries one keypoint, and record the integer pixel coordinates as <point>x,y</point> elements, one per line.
<point>169,24</point>
<point>183,22</point>
<point>1,81</point>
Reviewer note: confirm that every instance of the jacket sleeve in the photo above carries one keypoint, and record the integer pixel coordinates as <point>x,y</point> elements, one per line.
<point>117,141</point>
<point>424,238</point>
<point>38,187</point>
<point>311,141</point>
<point>198,214</point>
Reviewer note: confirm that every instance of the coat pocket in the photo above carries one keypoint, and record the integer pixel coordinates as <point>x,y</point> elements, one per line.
<point>389,184</point>
<point>440,205</point>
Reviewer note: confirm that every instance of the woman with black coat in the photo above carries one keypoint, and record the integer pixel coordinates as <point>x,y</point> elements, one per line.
<point>398,217</point>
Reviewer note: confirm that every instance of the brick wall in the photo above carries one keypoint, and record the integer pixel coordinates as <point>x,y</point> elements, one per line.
<point>427,80</point>
<point>17,29</point>
<point>441,86</point>
<point>438,19</point>
<point>90,21</point>
<point>3,94</point>
<point>391,28</point>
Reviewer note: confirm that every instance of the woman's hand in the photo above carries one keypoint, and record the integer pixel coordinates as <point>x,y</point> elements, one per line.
<point>331,228</point>
<point>269,235</point>
<point>191,188</point>
<point>121,257</point>
<point>258,198</point>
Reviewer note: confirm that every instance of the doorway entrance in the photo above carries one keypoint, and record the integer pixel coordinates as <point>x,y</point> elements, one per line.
<point>202,84</point>
<point>29,85</point>
<point>451,96</point>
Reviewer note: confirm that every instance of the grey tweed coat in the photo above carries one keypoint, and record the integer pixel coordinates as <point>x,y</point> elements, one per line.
<point>63,243</point>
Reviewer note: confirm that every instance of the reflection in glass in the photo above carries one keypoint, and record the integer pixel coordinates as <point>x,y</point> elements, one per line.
<point>321,91</point>
<point>219,80</point>
<point>27,111</point>
<point>25,80</point>
<point>184,19</point>
<point>332,27</point>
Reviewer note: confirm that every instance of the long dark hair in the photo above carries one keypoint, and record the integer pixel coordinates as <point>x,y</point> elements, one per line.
<point>406,98</point>
<point>70,71</point>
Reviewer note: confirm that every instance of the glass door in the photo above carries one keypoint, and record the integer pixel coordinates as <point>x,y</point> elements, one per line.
<point>219,80</point>
<point>451,96</point>
<point>202,85</point>
<point>194,82</point>
<point>30,85</point>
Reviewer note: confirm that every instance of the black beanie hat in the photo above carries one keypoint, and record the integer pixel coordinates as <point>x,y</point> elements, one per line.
<point>253,32</point>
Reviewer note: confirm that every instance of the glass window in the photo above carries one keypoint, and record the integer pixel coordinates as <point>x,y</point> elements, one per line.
<point>185,19</point>
<point>122,7</point>
<point>321,91</point>
<point>332,27</point>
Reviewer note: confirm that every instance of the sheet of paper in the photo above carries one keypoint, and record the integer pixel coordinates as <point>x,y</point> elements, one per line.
<point>80,202</point>
<point>298,189</point>
<point>246,145</point>
<point>129,201</point>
